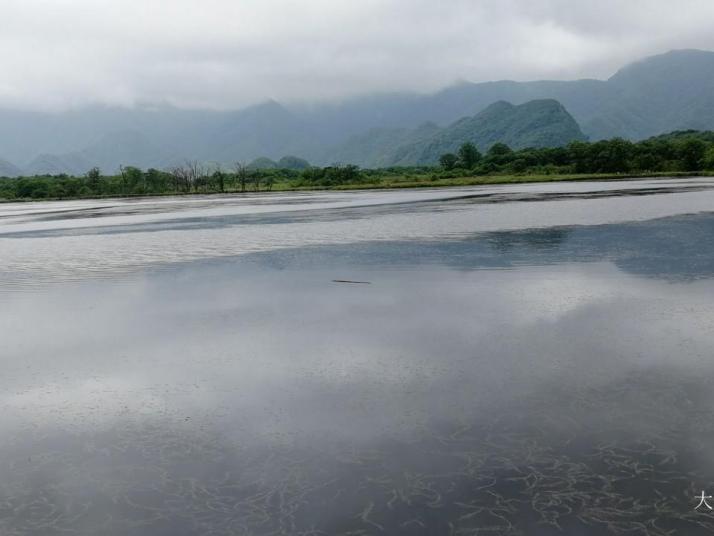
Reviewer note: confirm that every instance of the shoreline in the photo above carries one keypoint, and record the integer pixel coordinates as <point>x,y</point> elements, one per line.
<point>476,180</point>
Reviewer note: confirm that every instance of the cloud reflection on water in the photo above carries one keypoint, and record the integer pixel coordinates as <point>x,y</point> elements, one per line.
<point>253,395</point>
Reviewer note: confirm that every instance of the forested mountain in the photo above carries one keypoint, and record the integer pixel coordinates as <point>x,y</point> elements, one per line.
<point>673,91</point>
<point>378,147</point>
<point>540,123</point>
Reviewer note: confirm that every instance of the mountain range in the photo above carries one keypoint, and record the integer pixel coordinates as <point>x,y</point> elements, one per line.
<point>672,91</point>
<point>537,123</point>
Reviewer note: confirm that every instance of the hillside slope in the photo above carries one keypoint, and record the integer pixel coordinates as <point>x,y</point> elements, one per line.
<point>672,91</point>
<point>539,123</point>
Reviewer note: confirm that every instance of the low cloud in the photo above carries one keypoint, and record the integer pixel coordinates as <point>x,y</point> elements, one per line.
<point>222,54</point>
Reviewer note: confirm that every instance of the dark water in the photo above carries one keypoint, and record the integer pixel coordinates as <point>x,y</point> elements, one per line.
<point>528,360</point>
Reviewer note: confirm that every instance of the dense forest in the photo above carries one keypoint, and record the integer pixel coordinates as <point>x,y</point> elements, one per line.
<point>536,123</point>
<point>684,151</point>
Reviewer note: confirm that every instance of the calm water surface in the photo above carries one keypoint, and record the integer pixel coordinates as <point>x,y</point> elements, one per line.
<point>524,360</point>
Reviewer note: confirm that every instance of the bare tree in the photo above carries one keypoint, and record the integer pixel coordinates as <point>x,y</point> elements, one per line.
<point>196,175</point>
<point>192,175</point>
<point>241,171</point>
<point>123,179</point>
<point>182,179</point>
<point>219,178</point>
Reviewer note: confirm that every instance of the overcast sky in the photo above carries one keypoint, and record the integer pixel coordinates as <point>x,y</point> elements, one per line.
<point>229,53</point>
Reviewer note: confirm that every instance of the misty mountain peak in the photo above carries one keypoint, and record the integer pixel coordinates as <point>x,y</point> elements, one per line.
<point>684,64</point>
<point>671,91</point>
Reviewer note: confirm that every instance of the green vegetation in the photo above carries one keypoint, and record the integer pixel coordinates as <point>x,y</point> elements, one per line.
<point>293,162</point>
<point>659,94</point>
<point>537,123</point>
<point>684,151</point>
<point>678,153</point>
<point>263,163</point>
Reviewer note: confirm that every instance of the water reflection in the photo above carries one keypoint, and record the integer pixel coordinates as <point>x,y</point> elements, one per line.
<point>151,234</point>
<point>531,381</point>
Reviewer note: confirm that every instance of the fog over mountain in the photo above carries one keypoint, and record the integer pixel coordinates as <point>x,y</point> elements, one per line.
<point>228,54</point>
<point>537,123</point>
<point>652,96</point>
<point>150,83</point>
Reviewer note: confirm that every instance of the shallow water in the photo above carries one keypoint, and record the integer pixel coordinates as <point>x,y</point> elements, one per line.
<point>526,359</point>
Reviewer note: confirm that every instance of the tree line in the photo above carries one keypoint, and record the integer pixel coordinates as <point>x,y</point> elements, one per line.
<point>190,177</point>
<point>686,151</point>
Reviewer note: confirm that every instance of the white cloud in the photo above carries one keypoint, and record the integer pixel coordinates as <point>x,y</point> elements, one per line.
<point>228,53</point>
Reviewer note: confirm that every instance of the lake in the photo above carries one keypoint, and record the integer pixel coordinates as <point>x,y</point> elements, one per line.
<point>518,360</point>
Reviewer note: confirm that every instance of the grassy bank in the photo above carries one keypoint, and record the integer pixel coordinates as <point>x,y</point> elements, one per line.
<point>673,155</point>
<point>398,182</point>
<point>425,182</point>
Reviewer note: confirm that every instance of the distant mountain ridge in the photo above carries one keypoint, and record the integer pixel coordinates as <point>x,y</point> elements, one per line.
<point>8,169</point>
<point>672,91</point>
<point>538,123</point>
